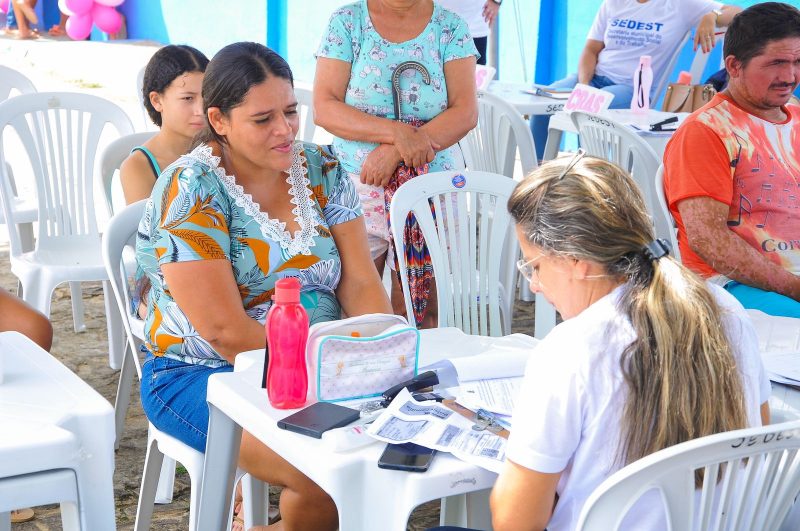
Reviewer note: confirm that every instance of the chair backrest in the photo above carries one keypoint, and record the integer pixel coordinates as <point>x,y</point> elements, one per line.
<point>120,234</point>
<point>305,106</point>
<point>660,84</point>
<point>491,145</point>
<point>12,80</point>
<point>615,142</point>
<point>472,245</point>
<point>112,158</point>
<point>60,132</point>
<point>701,59</point>
<point>663,206</point>
<point>751,479</point>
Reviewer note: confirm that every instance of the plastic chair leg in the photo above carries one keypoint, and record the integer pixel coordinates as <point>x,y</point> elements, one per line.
<point>166,481</point>
<point>70,517</point>
<point>123,399</point>
<point>77,306</point>
<point>117,345</point>
<point>544,318</point>
<point>5,521</point>
<point>254,501</point>
<point>147,491</point>
<point>453,511</point>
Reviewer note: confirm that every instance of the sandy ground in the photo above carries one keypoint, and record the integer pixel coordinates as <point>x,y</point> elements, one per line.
<point>109,70</point>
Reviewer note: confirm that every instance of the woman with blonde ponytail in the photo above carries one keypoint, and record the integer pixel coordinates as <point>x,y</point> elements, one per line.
<point>648,354</point>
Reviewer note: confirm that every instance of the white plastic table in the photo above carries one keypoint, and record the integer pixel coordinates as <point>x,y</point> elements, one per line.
<point>526,104</point>
<point>561,122</point>
<point>51,402</point>
<point>368,498</point>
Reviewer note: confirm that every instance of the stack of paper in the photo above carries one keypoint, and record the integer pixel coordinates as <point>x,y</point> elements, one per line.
<point>488,380</point>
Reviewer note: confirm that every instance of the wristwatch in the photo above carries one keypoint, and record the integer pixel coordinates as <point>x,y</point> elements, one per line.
<point>717,12</point>
<point>498,2</point>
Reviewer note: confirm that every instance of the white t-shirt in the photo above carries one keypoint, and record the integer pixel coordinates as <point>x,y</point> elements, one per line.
<point>630,29</point>
<point>571,403</point>
<point>472,13</point>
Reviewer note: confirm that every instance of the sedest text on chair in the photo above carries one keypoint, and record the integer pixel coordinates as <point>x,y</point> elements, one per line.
<point>472,245</point>
<point>157,480</point>
<point>751,478</point>
<point>60,133</point>
<point>615,142</point>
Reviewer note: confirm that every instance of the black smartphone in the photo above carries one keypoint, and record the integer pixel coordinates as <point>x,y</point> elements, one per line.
<point>408,456</point>
<point>318,418</point>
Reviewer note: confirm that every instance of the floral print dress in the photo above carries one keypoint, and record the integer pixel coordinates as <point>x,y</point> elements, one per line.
<point>352,38</point>
<point>198,212</point>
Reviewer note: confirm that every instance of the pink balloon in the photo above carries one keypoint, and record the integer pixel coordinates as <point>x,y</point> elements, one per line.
<point>106,18</point>
<point>111,3</point>
<point>78,7</point>
<point>5,5</point>
<point>79,26</point>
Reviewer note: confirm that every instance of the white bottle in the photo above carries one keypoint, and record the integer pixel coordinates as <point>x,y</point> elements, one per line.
<point>642,81</point>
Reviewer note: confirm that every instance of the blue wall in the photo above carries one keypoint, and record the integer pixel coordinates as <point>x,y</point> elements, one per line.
<point>205,24</point>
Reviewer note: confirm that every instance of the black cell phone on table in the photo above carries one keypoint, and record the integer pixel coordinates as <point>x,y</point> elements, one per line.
<point>408,456</point>
<point>318,418</point>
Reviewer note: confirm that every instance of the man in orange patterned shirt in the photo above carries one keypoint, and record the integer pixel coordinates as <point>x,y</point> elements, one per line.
<point>732,169</point>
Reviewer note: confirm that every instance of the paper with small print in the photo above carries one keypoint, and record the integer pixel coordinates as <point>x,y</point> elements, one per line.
<point>432,425</point>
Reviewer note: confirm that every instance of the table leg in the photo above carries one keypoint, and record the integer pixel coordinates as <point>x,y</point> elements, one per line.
<point>219,470</point>
<point>552,144</point>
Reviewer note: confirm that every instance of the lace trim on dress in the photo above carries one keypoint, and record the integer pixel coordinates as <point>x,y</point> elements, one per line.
<point>302,198</point>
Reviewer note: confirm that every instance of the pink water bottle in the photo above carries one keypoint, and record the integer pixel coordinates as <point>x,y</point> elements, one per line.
<point>642,81</point>
<point>287,334</point>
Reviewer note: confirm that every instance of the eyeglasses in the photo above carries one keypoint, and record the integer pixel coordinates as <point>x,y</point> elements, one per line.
<point>575,159</point>
<point>527,270</point>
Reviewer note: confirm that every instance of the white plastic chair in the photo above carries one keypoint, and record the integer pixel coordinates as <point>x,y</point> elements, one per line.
<point>751,479</point>
<point>56,441</point>
<point>615,142</point>
<point>663,207</point>
<point>305,106</point>
<point>12,81</point>
<point>472,244</point>
<point>112,158</point>
<point>159,473</point>
<point>491,146</point>
<point>60,133</point>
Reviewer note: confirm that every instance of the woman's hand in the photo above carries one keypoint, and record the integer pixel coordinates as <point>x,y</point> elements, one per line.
<point>380,165</point>
<point>414,145</point>
<point>704,36</point>
<point>490,9</point>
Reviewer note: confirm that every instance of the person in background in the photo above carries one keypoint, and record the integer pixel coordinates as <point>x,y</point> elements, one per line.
<point>731,169</point>
<point>17,316</point>
<point>623,31</point>
<point>25,15</point>
<point>479,16</point>
<point>638,327</point>
<point>363,45</point>
<point>245,208</point>
<point>171,95</point>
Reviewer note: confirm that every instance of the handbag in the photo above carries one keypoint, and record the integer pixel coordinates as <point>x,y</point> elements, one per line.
<point>687,98</point>
<point>360,357</point>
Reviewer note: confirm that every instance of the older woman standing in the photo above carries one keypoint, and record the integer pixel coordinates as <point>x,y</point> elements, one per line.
<point>364,44</point>
<point>648,355</point>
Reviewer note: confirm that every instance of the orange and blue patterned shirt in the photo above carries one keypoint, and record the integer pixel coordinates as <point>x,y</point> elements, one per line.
<point>198,212</point>
<point>723,152</point>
